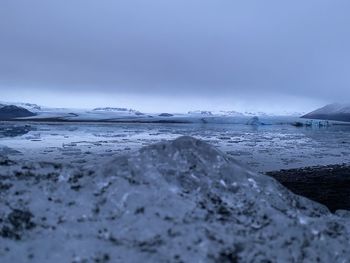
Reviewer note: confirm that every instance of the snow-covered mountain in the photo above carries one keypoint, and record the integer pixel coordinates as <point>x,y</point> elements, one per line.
<point>231,113</point>
<point>66,114</point>
<point>29,106</point>
<point>200,112</point>
<point>215,113</point>
<point>278,114</point>
<point>121,114</point>
<point>336,111</point>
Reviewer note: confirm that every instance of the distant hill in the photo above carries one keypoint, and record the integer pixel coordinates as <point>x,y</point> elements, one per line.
<point>10,112</point>
<point>335,112</point>
<point>166,115</point>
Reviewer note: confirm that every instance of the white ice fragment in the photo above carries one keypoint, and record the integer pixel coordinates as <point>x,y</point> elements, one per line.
<point>64,176</point>
<point>302,220</point>
<point>194,177</point>
<point>103,185</point>
<point>174,189</point>
<point>176,155</point>
<point>315,232</point>
<point>124,198</point>
<point>222,182</point>
<point>253,183</point>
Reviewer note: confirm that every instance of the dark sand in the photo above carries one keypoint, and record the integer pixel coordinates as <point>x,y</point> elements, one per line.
<point>328,185</point>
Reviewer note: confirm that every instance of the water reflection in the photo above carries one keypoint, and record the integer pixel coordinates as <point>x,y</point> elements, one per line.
<point>10,130</point>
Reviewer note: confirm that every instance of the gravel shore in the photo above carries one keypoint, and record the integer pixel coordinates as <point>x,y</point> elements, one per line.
<point>328,185</point>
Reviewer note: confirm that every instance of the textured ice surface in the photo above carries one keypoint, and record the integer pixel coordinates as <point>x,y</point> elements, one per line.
<point>176,201</point>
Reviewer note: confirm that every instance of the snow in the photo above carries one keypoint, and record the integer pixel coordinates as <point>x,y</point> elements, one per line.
<point>181,200</point>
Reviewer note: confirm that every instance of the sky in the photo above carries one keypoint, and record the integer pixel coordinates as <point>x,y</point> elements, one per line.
<point>176,55</point>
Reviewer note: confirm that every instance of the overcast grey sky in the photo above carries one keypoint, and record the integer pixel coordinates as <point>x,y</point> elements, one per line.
<point>176,54</point>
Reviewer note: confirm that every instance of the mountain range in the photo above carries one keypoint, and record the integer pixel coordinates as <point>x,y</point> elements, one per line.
<point>34,112</point>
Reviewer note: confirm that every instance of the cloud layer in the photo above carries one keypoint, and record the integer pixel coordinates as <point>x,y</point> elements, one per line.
<point>211,49</point>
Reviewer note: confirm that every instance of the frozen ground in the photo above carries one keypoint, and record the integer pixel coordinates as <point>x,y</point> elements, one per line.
<point>177,201</point>
<point>262,148</point>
